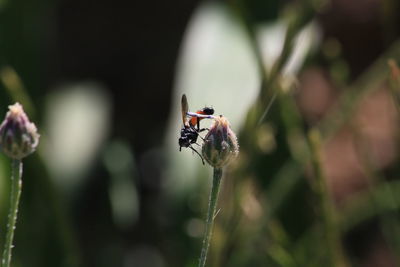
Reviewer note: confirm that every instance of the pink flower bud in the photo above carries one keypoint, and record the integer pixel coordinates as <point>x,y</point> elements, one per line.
<point>220,144</point>
<point>18,136</point>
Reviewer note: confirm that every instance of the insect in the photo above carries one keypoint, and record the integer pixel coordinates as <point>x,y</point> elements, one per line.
<point>195,119</point>
<point>189,132</point>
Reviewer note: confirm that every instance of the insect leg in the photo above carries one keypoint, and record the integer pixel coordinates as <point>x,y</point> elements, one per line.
<point>201,157</point>
<point>193,114</point>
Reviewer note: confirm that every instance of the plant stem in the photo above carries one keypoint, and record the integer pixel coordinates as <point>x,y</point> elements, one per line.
<point>327,209</point>
<point>16,186</point>
<point>212,204</point>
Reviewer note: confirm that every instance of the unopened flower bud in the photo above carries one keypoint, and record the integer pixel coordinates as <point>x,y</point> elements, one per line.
<point>220,144</point>
<point>18,136</point>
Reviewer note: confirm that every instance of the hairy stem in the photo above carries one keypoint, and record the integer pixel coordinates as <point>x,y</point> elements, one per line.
<point>212,204</point>
<point>16,186</point>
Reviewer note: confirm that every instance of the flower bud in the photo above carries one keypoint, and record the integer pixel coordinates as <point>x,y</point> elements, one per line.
<point>220,144</point>
<point>18,136</point>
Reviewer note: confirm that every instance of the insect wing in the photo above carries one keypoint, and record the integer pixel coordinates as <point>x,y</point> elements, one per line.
<point>185,109</point>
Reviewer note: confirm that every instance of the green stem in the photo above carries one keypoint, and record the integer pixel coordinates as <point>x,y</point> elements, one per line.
<point>212,204</point>
<point>327,209</point>
<point>16,186</point>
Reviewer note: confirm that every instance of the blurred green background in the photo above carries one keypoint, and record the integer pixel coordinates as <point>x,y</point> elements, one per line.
<point>305,84</point>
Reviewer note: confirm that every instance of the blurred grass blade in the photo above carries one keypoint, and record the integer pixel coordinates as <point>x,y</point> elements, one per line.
<point>15,87</point>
